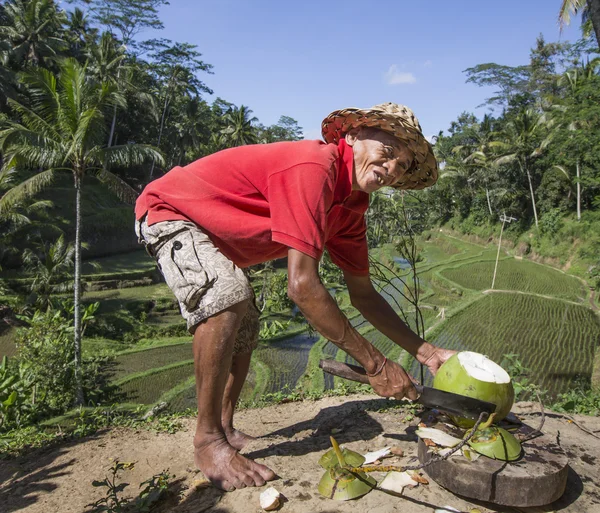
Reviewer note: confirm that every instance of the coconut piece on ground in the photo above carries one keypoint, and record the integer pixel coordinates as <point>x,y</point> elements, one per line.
<point>270,499</point>
<point>438,436</point>
<point>475,375</point>
<point>396,481</point>
<point>372,457</point>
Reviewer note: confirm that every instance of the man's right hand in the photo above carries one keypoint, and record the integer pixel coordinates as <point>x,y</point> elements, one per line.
<point>393,381</point>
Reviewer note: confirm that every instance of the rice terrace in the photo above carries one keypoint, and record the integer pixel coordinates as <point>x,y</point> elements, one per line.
<point>537,312</point>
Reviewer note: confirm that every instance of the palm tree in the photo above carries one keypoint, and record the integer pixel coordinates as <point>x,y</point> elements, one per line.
<point>63,131</point>
<point>523,139</point>
<point>180,82</point>
<point>589,8</point>
<point>79,32</point>
<point>34,30</point>
<point>188,127</point>
<point>481,155</point>
<point>239,129</point>
<point>573,80</point>
<point>51,268</point>
<point>105,65</point>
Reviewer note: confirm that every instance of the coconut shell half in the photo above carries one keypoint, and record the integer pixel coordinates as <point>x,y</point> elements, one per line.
<point>497,443</point>
<point>351,458</point>
<point>341,485</point>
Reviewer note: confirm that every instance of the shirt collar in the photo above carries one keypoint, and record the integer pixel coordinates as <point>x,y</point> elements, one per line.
<point>357,201</point>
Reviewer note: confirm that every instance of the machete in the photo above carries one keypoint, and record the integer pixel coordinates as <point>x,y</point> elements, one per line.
<point>448,402</point>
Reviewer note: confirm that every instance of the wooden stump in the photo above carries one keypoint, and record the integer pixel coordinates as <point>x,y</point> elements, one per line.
<point>538,478</point>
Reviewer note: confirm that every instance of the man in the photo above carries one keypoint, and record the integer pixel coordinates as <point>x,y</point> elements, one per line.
<point>207,221</point>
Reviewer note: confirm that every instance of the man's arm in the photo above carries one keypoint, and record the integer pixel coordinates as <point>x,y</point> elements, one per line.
<point>322,312</point>
<point>382,316</point>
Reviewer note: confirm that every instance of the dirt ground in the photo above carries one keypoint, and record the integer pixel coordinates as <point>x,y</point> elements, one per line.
<point>292,437</point>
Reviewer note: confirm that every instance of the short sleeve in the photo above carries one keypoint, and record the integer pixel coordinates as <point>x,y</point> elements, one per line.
<point>299,199</point>
<point>348,248</point>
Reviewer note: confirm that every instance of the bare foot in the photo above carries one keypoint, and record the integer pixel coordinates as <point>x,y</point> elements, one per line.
<point>237,439</point>
<point>225,467</point>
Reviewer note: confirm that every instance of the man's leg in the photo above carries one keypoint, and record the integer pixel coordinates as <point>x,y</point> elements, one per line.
<point>245,343</point>
<point>213,348</point>
<point>235,383</point>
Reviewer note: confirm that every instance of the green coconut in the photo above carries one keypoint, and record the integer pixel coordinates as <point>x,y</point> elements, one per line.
<point>495,442</point>
<point>338,483</point>
<point>352,458</point>
<point>341,485</point>
<point>475,375</point>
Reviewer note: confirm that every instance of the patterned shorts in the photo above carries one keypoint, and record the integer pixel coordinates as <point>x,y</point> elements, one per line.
<point>204,281</point>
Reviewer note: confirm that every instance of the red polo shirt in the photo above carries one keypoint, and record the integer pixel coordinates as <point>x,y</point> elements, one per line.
<point>256,201</point>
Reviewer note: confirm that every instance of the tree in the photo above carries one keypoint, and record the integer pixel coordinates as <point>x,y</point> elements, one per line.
<point>176,67</point>
<point>50,266</point>
<point>63,130</point>
<point>105,64</point>
<point>589,8</point>
<point>34,30</point>
<point>126,17</point>
<point>239,129</point>
<point>577,121</point>
<point>523,139</point>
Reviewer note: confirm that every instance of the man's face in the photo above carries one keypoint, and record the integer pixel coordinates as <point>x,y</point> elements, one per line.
<point>380,159</point>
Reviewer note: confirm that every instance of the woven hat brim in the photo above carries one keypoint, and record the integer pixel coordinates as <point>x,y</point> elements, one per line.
<point>424,171</point>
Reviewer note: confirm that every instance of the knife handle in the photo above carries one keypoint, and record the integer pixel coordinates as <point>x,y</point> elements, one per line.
<point>351,372</point>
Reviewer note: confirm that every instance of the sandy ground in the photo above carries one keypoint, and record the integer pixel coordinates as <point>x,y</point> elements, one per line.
<point>292,438</point>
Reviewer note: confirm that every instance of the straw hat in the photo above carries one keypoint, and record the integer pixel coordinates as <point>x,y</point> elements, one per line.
<point>401,122</point>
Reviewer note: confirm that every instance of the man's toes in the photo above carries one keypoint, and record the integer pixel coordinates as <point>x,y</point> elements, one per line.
<point>256,479</point>
<point>266,473</point>
<point>238,483</point>
<point>224,485</point>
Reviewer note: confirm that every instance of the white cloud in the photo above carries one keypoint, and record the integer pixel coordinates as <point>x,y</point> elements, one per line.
<point>394,76</point>
<point>427,64</point>
<point>431,138</point>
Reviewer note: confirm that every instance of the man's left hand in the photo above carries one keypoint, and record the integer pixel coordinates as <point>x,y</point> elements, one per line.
<point>433,357</point>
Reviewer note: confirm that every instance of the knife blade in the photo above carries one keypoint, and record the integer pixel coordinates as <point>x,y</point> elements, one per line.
<point>448,402</point>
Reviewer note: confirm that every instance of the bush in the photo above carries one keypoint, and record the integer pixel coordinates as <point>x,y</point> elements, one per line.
<point>45,366</point>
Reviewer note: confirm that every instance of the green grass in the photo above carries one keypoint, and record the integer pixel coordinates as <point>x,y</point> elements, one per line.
<point>517,275</point>
<point>157,291</point>
<point>555,339</point>
<point>136,361</point>
<point>120,263</point>
<point>148,388</point>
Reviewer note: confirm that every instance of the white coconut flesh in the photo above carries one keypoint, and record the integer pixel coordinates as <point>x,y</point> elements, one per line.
<point>481,368</point>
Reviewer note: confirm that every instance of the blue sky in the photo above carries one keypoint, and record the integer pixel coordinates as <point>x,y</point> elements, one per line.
<point>307,58</point>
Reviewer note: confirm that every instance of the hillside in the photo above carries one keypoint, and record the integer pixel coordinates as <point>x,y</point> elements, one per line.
<point>292,437</point>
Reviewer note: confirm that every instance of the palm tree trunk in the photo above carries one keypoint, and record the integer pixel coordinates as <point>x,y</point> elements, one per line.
<point>532,196</point>
<point>112,126</point>
<point>114,118</point>
<point>578,191</point>
<point>77,293</point>
<point>162,124</point>
<point>594,13</point>
<point>487,195</point>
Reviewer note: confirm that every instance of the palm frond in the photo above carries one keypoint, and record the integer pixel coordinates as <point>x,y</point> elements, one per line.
<point>119,186</point>
<point>125,155</point>
<point>26,189</point>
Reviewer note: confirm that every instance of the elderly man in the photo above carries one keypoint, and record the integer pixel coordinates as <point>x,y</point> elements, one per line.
<point>207,221</point>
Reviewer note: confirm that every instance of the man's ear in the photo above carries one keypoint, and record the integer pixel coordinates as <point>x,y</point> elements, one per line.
<point>351,136</point>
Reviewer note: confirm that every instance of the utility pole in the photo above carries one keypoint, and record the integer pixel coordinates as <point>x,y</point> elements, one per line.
<point>504,220</point>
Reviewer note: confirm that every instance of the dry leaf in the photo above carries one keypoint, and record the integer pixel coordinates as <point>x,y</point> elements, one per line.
<point>397,451</point>
<point>415,476</point>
